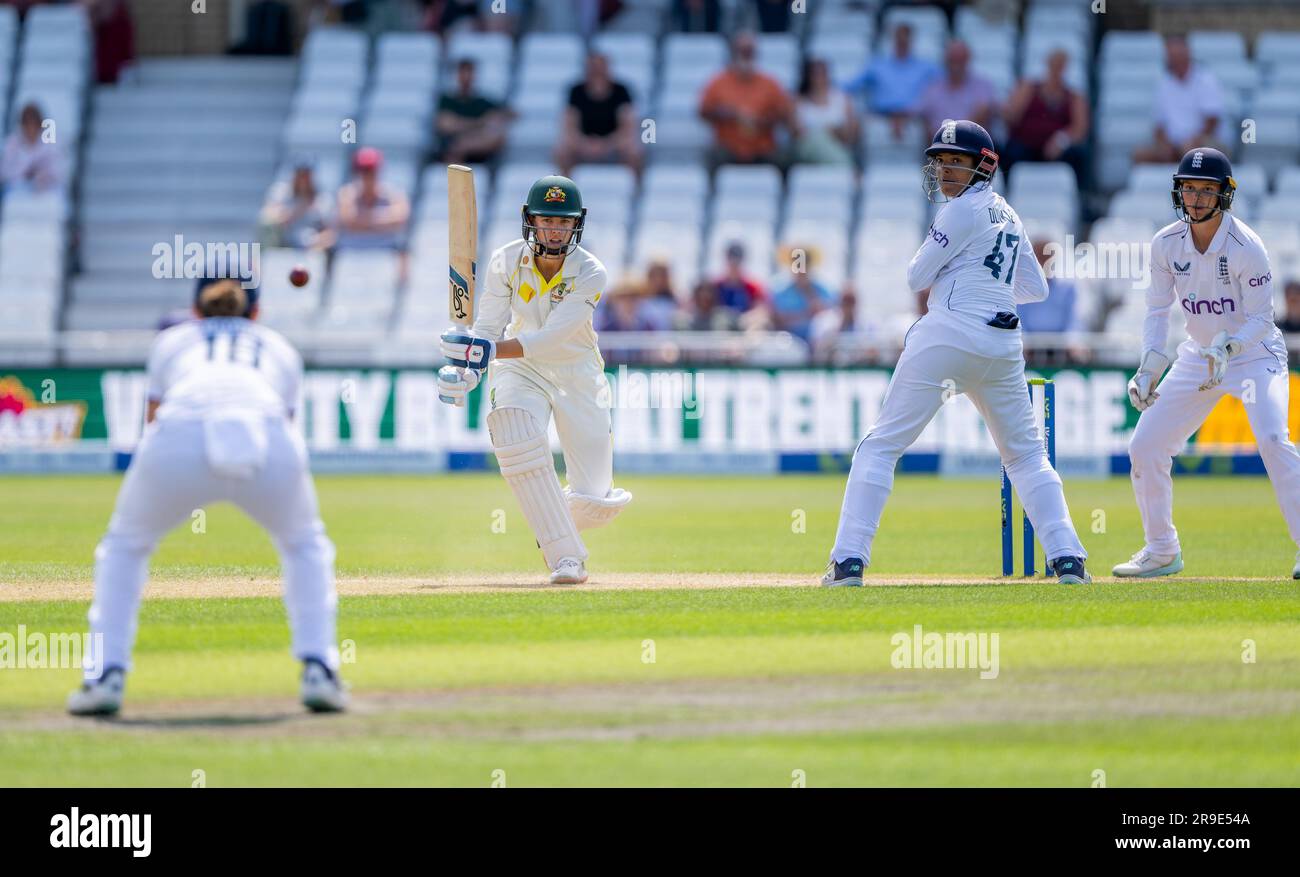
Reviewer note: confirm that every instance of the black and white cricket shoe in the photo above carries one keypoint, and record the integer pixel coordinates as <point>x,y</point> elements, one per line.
<point>846,574</point>
<point>99,697</point>
<point>322,690</point>
<point>1070,571</point>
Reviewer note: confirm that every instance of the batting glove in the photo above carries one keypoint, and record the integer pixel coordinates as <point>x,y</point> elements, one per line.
<point>467,350</point>
<point>456,383</point>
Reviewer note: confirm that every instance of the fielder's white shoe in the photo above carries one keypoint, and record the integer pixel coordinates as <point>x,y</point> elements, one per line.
<point>1145,565</point>
<point>322,690</point>
<point>101,697</point>
<point>569,571</point>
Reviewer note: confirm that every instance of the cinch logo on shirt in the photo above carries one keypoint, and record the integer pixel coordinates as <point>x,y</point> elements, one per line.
<point>1260,281</point>
<point>939,237</point>
<point>1209,306</point>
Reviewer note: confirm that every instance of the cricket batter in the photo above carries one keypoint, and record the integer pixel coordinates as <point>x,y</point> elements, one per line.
<point>533,324</point>
<point>222,392</point>
<point>1216,269</point>
<point>978,265</point>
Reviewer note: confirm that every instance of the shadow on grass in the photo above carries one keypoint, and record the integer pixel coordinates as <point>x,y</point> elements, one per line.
<point>185,722</point>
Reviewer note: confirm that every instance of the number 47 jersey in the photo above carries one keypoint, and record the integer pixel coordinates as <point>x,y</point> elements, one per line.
<point>977,262</point>
<point>221,364</point>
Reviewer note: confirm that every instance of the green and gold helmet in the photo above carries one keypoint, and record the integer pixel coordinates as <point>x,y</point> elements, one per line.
<point>553,196</point>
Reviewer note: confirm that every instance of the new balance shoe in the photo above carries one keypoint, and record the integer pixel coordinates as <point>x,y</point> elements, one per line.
<point>99,697</point>
<point>322,690</point>
<point>846,574</point>
<point>1070,571</point>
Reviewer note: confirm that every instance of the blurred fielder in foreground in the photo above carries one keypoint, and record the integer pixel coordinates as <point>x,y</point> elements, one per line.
<point>541,292</point>
<point>978,266</point>
<point>222,391</point>
<point>1216,268</point>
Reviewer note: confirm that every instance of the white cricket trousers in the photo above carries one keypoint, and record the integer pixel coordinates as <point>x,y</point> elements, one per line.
<point>925,377</point>
<point>1263,385</point>
<point>259,463</point>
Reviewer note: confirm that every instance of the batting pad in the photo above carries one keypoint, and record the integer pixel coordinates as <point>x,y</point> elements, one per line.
<point>590,511</point>
<point>524,456</point>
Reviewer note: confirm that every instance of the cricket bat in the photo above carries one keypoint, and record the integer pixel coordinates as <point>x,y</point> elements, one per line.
<point>462,250</point>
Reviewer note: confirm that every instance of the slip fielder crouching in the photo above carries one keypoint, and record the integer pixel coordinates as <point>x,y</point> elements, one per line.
<point>221,397</point>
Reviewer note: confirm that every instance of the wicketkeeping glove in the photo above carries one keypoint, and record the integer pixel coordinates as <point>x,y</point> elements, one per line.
<point>1220,350</point>
<point>456,383</point>
<point>467,350</point>
<point>1142,388</point>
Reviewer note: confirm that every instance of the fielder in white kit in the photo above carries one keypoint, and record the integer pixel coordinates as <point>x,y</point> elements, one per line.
<point>1216,269</point>
<point>221,394</point>
<point>533,325</point>
<point>978,266</point>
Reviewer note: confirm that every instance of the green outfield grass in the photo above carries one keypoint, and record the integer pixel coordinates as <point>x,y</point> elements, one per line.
<point>1145,682</point>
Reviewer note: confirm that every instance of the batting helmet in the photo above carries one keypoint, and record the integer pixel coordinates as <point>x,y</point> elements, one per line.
<point>962,137</point>
<point>553,196</point>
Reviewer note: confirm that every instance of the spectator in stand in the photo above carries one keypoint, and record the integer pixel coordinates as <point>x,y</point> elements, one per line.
<point>705,313</point>
<point>832,324</point>
<point>896,82</point>
<point>471,128</point>
<point>599,124</point>
<point>625,310</point>
<point>32,163</point>
<point>268,29</point>
<point>1048,121</point>
<point>114,35</point>
<point>736,289</point>
<point>773,15</point>
<point>1056,315</point>
<point>1290,321</point>
<point>661,300</point>
<point>1189,105</point>
<point>696,16</point>
<point>958,94</point>
<point>445,16</point>
<point>371,214</point>
<point>795,305</point>
<point>745,108</point>
<point>297,214</point>
<point>827,124</point>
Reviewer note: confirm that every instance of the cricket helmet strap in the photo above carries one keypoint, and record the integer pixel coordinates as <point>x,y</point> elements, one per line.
<point>553,195</point>
<point>962,137</point>
<point>1209,164</point>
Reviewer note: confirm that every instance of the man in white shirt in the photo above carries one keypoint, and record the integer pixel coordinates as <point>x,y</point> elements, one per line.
<point>1215,268</point>
<point>222,392</point>
<point>1189,106</point>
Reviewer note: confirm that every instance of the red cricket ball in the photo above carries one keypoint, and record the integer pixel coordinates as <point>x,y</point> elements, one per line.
<point>299,276</point>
